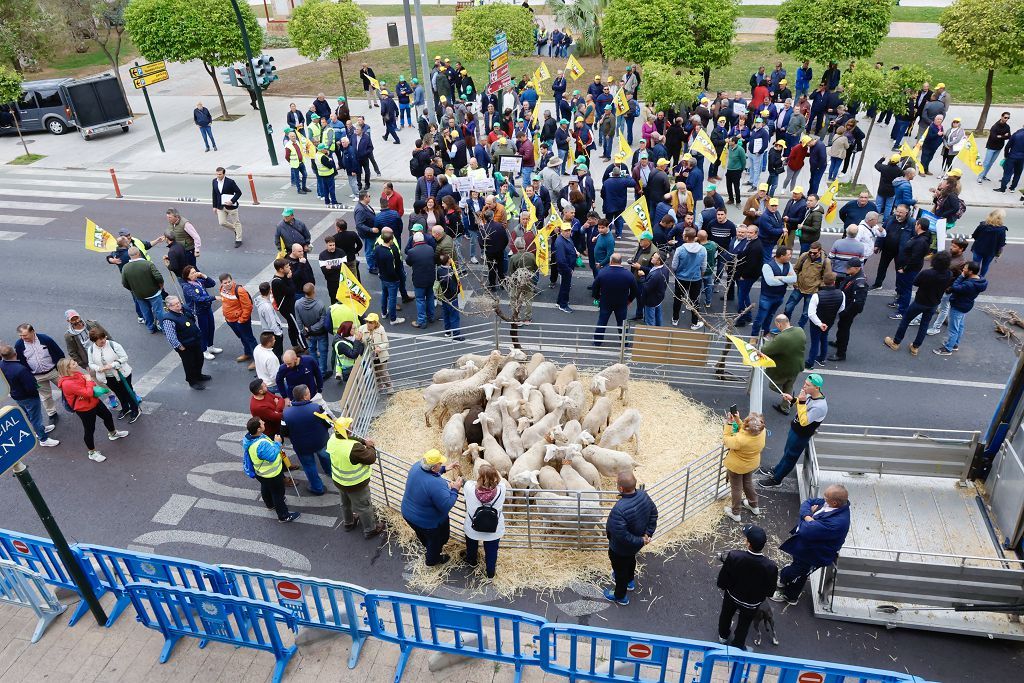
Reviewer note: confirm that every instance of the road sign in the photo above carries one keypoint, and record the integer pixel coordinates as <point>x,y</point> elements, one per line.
<point>16,437</point>
<point>147,69</point>
<point>499,61</point>
<point>639,650</point>
<point>810,677</point>
<point>20,546</point>
<point>288,590</point>
<point>149,80</point>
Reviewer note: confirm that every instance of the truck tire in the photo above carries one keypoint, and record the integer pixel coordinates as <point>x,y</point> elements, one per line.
<point>124,129</point>
<point>56,126</point>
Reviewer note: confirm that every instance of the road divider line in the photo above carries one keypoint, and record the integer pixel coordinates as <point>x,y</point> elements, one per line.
<point>175,509</point>
<point>7,236</point>
<point>253,511</point>
<point>910,378</point>
<point>224,417</point>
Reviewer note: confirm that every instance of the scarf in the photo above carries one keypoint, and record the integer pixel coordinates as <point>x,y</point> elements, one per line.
<point>485,495</point>
<point>83,336</point>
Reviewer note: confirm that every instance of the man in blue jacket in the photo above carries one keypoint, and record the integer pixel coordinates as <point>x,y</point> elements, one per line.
<point>615,193</point>
<point>1013,165</point>
<point>296,370</point>
<point>565,261</point>
<point>365,218</point>
<point>815,541</point>
<point>614,288</point>
<point>817,158</point>
<point>309,436</point>
<point>427,500</point>
<point>25,393</point>
<point>631,525</point>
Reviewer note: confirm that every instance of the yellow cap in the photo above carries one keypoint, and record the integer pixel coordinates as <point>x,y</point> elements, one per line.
<point>956,173</point>
<point>895,158</point>
<point>763,187</point>
<point>502,140</point>
<point>956,119</point>
<point>940,85</point>
<point>783,82</point>
<point>780,142</point>
<point>434,457</point>
<point>773,202</point>
<point>372,318</point>
<point>342,424</point>
<point>579,119</point>
<point>447,61</point>
<point>437,58</point>
<point>383,92</point>
<point>704,100</point>
<point>463,72</point>
<point>687,157</point>
<point>805,139</point>
<point>618,156</point>
<point>799,189</point>
<point>529,84</point>
<point>663,162</point>
<point>597,78</point>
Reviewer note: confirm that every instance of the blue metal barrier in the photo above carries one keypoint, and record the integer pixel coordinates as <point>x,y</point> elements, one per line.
<point>598,654</point>
<point>737,666</point>
<point>118,568</point>
<point>416,622</point>
<point>316,603</point>
<point>177,612</point>
<point>40,555</point>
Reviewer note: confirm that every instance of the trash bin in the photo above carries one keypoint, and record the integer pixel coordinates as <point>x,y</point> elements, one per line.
<point>392,34</point>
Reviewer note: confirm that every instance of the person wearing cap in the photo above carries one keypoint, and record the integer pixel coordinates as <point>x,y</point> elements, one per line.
<point>793,215</point>
<point>583,138</point>
<point>817,157</point>
<point>815,541</point>
<point>757,147</point>
<point>735,163</point>
<point>614,193</point>
<point>769,223</point>
<point>428,499</point>
<point>811,410</point>
<point>76,338</point>
<point>403,92</point>
<point>782,91</point>
<point>349,459</point>
<point>631,524</point>
<point>810,269</point>
<point>263,460</point>
<point>375,337</point>
<point>389,116</point>
<point>658,185</point>
<point>776,165</point>
<point>889,169</point>
<point>747,578</point>
<point>952,142</point>
<point>855,294</point>
<point>719,136</point>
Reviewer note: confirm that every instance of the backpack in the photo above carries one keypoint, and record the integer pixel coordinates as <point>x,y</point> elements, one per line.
<point>960,209</point>
<point>485,519</point>
<point>415,167</point>
<point>247,464</point>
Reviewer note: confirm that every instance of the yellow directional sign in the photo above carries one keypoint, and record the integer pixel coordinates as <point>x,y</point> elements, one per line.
<point>149,80</point>
<point>147,69</point>
<point>499,62</point>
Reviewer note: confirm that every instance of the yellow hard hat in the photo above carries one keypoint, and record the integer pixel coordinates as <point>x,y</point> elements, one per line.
<point>955,173</point>
<point>799,189</point>
<point>434,457</point>
<point>763,187</point>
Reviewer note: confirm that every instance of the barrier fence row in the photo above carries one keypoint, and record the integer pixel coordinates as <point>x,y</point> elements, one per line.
<point>253,608</point>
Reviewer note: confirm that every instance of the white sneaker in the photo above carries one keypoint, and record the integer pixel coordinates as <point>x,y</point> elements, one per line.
<point>96,456</point>
<point>697,325</point>
<point>756,511</point>
<point>727,511</point>
<point>932,332</point>
<point>115,435</point>
<point>214,349</point>
<point>398,321</point>
<point>675,323</point>
<point>49,428</point>
<point>49,443</point>
<point>208,356</point>
<point>474,260</point>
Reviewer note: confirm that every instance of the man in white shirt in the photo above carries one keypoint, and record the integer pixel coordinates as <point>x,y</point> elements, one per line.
<point>225,203</point>
<point>266,361</point>
<point>40,354</point>
<point>867,231</point>
<point>270,320</point>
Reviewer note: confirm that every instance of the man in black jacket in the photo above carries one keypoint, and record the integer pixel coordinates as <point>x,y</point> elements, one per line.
<point>388,259</point>
<point>427,186</point>
<point>855,292</point>
<point>420,259</point>
<point>748,271</point>
<point>747,579</point>
<point>225,203</point>
<point>909,263</point>
<point>494,241</point>
<point>896,227</point>
<point>888,171</point>
<point>631,525</point>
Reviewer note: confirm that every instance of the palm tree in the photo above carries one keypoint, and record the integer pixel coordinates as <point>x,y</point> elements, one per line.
<point>583,18</point>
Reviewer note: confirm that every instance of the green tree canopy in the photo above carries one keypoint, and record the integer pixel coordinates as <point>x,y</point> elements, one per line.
<point>10,91</point>
<point>26,33</point>
<point>473,30</point>
<point>183,30</point>
<point>664,86</point>
<point>832,30</point>
<point>319,29</point>
<point>985,34</point>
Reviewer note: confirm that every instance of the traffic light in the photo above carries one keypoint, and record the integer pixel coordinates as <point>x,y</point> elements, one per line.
<point>242,77</point>
<point>229,77</point>
<point>266,72</point>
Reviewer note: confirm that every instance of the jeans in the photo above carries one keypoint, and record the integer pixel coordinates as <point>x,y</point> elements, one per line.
<point>756,161</point>
<point>371,259</point>
<point>451,317</point>
<point>564,285</point>
<point>244,333</point>
<point>746,615</point>
<point>624,571</point>
<point>884,204</point>
<point>709,288</point>
<point>913,311</point>
<point>818,348</point>
<point>603,315</point>
<point>207,133</point>
<point>299,177</point>
<point>308,462</point>
<point>743,299</point>
<point>990,158</point>
<point>652,315</point>
<point>904,288</point>
<point>424,305</point>
<point>490,553</point>
<point>151,310</point>
<point>389,299</point>
<point>793,577</point>
<point>834,164</point>
<point>773,183</point>
<point>353,184</point>
<point>956,329</point>
<point>795,447</point>
<point>433,539</point>
<point>207,326</point>
<point>1012,169</point>
<point>330,198</point>
<point>984,261</point>
<point>391,129</point>
<point>767,304</point>
<point>816,175</point>
<point>899,131</point>
<point>794,300</point>
<point>33,408</point>
<point>319,348</point>
<point>405,114</point>
<point>606,146</point>
<point>941,314</point>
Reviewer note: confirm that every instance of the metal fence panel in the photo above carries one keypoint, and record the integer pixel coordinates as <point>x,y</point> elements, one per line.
<point>22,587</point>
<point>741,666</point>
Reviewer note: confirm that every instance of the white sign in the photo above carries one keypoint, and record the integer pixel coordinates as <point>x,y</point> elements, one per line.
<point>510,164</point>
<point>463,183</point>
<point>485,185</point>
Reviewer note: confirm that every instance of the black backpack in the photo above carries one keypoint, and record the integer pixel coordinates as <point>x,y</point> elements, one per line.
<point>485,519</point>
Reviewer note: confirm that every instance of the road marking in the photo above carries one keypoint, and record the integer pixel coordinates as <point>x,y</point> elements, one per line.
<point>36,206</point>
<point>911,378</point>
<point>63,183</point>
<point>8,236</point>
<point>174,509</point>
<point>224,417</point>
<point>67,173</point>
<point>253,511</point>
<point>264,203</point>
<point>25,220</point>
<point>18,192</point>
<point>159,372</point>
<point>287,558</point>
<point>201,477</point>
<point>149,407</point>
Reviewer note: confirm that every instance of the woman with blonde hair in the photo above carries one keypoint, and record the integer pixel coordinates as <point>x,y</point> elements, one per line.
<point>745,441</point>
<point>82,395</point>
<point>485,521</point>
<point>989,239</point>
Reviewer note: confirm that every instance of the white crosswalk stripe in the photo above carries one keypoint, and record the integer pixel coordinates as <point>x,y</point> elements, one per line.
<point>32,206</point>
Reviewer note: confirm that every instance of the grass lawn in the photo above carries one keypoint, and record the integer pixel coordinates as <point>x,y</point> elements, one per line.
<point>963,84</point>
<point>93,61</point>
<point>26,159</point>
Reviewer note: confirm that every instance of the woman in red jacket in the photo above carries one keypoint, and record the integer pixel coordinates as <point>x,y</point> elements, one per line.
<point>80,393</point>
<point>795,163</point>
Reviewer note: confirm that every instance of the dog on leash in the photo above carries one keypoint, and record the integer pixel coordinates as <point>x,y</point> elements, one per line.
<point>764,622</point>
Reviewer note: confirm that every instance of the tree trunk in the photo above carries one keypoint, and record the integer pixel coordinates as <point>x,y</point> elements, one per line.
<point>212,70</point>
<point>344,88</point>
<point>114,57</point>
<point>604,68</point>
<point>864,153</point>
<point>22,137</point>
<point>982,118</point>
<point>707,77</point>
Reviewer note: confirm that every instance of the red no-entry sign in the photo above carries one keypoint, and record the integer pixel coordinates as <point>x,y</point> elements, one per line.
<point>810,677</point>
<point>288,590</point>
<point>20,547</point>
<point>639,650</point>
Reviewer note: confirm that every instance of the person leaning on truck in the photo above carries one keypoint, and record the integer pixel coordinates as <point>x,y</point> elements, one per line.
<point>204,119</point>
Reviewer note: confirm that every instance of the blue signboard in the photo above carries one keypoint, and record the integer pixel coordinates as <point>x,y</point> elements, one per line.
<point>17,439</point>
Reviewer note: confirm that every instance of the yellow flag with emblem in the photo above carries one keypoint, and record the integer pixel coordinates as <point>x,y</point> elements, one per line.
<point>913,153</point>
<point>828,200</point>
<point>621,103</point>
<point>702,145</point>
<point>532,208</point>
<point>624,147</point>
<point>542,73</point>
<point>536,114</point>
<point>636,217</point>
<point>574,68</point>
<point>543,244</point>
<point>751,355</point>
<point>969,155</point>
<point>351,291</point>
<point>98,239</point>
<point>374,83</point>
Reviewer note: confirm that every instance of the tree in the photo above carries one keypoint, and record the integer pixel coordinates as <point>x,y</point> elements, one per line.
<point>26,33</point>
<point>183,30</point>
<point>474,29</point>
<point>320,29</point>
<point>881,89</point>
<point>713,27</point>
<point>832,30</point>
<point>10,91</point>
<point>647,31</point>
<point>985,34</point>
<point>102,22</point>
<point>584,19</point>
<point>665,86</point>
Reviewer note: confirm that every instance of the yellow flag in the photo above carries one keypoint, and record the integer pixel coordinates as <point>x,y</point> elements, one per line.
<point>624,148</point>
<point>828,200</point>
<point>621,103</point>
<point>702,145</point>
<point>282,252</point>
<point>350,290</point>
<point>751,355</point>
<point>98,239</point>
<point>723,160</point>
<point>532,208</point>
<point>636,217</point>
<point>574,68</point>
<point>536,114</point>
<point>543,245</point>
<point>969,155</point>
<point>543,72</point>
<point>374,83</point>
<point>913,153</point>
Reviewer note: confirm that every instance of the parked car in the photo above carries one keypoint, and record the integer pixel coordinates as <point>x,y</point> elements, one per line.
<point>92,105</point>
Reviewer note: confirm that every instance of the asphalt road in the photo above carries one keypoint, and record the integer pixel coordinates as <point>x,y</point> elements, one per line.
<point>162,487</point>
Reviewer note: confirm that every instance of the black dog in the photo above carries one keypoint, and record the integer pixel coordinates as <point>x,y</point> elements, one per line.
<point>763,619</point>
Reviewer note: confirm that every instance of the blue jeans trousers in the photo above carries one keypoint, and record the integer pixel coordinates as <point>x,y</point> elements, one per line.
<point>956,329</point>
<point>152,310</point>
<point>990,158</point>
<point>244,333</point>
<point>451,317</point>
<point>818,348</point>
<point>389,300</point>
<point>299,177</point>
<point>652,315</point>
<point>766,307</point>
<point>795,447</point>
<point>309,462</point>
<point>564,285</point>
<point>33,408</point>
<point>207,133</point>
<point>913,310</point>
<point>319,348</point>
<point>490,553</point>
<point>743,298</point>
<point>371,260</point>
<point>424,305</point>
<point>795,298</point>
<point>904,288</point>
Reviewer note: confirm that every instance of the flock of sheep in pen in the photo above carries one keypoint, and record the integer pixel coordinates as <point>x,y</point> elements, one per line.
<point>530,421</point>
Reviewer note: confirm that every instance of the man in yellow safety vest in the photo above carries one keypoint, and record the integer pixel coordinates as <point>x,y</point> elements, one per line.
<point>351,458</point>
<point>262,459</point>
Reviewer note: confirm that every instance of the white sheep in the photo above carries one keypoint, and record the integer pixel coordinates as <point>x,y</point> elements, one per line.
<point>607,461</point>
<point>510,439</point>
<point>453,397</point>
<point>513,355</point>
<point>612,377</point>
<point>576,400</point>
<point>598,416</point>
<point>624,428</point>
<point>549,479</point>
<point>496,455</point>
<point>562,453</point>
<point>539,430</point>
<point>564,376</point>
<point>574,481</point>
<point>544,374</point>
<point>535,360</point>
<point>530,461</point>
<point>492,423</point>
<point>508,374</point>
<point>453,436</point>
<point>536,407</point>
<point>552,399</point>
<point>571,430</point>
<point>445,375</point>
<point>586,470</point>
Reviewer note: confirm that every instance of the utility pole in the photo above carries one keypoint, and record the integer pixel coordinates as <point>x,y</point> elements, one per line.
<point>409,39</point>
<point>252,76</point>
<point>428,88</point>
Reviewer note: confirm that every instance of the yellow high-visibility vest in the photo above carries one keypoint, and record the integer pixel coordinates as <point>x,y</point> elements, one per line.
<point>343,470</point>
<point>264,468</point>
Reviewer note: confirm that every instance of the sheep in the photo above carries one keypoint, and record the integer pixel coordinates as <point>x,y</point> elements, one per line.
<point>607,461</point>
<point>552,399</point>
<point>508,374</point>
<point>549,479</point>
<point>574,481</point>
<point>624,428</point>
<point>535,360</point>
<point>496,455</point>
<point>543,374</point>
<point>536,409</point>
<point>564,376</point>
<point>556,509</point>
<point>453,397</point>
<point>513,355</point>
<point>530,461</point>
<point>585,438</point>
<point>576,398</point>
<point>612,377</point>
<point>572,430</point>
<point>453,436</point>
<point>510,439</point>
<point>598,416</point>
<point>473,425</point>
<point>492,422</point>
<point>586,470</point>
<point>540,429</point>
<point>445,375</point>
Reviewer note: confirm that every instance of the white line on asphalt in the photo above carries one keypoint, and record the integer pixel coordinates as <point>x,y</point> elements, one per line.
<point>174,509</point>
<point>253,511</point>
<point>18,192</point>
<point>159,372</point>
<point>297,205</point>
<point>149,407</point>
<point>911,378</point>
<point>70,173</point>
<point>37,206</point>
<point>25,220</point>
<point>63,183</point>
<point>224,417</point>
<point>287,558</point>
<point>8,236</point>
